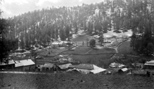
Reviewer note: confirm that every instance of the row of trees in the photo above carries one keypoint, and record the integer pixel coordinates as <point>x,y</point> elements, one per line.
<point>142,15</point>
<point>2,40</point>
<point>6,45</point>
<point>3,52</point>
<point>40,27</point>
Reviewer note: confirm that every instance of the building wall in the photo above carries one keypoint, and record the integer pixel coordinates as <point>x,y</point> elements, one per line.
<point>25,68</point>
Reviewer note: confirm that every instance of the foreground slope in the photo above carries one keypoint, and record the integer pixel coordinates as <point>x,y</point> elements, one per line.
<point>74,81</point>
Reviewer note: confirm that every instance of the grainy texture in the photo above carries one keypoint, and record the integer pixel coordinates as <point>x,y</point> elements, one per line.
<point>75,81</point>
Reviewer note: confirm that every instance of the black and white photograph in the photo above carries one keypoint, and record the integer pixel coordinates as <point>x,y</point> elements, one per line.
<point>76,44</point>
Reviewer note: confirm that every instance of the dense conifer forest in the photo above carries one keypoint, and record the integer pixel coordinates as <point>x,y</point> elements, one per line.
<point>46,25</point>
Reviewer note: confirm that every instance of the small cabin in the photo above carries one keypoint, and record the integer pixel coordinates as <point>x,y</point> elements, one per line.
<point>24,65</point>
<point>149,65</point>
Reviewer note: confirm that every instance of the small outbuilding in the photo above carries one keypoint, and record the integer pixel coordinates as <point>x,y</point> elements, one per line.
<point>26,65</point>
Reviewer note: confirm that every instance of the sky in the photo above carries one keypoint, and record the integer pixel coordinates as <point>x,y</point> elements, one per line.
<point>16,7</point>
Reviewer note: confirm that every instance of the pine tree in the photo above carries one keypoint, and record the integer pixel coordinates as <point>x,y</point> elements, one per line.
<point>3,43</point>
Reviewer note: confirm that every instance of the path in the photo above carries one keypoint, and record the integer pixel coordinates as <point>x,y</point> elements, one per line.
<point>88,51</point>
<point>116,48</point>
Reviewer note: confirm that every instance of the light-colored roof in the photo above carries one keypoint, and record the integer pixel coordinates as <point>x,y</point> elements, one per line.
<point>114,64</point>
<point>107,36</point>
<point>11,62</point>
<point>150,63</point>
<point>26,62</point>
<point>48,65</point>
<point>65,66</point>
<point>56,43</point>
<point>97,69</point>
<point>110,34</point>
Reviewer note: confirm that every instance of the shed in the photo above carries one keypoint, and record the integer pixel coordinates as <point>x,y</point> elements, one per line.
<point>151,63</point>
<point>26,64</point>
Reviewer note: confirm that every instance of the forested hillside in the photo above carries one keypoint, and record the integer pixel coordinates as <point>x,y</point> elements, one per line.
<point>43,26</point>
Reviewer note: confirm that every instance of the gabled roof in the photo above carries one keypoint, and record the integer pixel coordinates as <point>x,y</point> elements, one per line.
<point>150,63</point>
<point>26,62</point>
<point>11,62</point>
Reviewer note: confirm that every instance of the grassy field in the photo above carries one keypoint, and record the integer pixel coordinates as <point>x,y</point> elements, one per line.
<point>85,54</point>
<point>51,51</point>
<point>99,57</point>
<point>82,54</point>
<point>125,48</point>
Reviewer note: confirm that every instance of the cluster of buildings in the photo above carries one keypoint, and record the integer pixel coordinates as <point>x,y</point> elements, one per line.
<point>80,39</point>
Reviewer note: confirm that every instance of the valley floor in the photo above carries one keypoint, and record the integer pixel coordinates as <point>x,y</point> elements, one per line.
<point>75,80</point>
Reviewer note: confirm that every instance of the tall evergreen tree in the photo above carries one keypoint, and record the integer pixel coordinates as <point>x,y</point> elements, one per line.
<point>3,43</point>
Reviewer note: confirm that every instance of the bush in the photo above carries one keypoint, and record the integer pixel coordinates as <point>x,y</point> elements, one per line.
<point>92,43</point>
